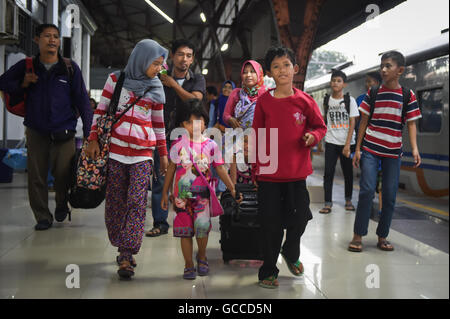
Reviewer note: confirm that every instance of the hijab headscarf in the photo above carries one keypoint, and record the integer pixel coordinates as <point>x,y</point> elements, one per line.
<point>222,101</point>
<point>245,107</point>
<point>259,88</point>
<point>144,53</point>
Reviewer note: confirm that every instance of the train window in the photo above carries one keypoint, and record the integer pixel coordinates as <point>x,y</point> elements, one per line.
<point>430,104</point>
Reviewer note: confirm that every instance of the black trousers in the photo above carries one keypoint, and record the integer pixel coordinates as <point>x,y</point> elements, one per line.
<point>332,153</point>
<point>281,206</point>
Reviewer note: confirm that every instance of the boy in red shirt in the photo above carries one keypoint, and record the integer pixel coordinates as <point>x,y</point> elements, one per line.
<point>296,125</point>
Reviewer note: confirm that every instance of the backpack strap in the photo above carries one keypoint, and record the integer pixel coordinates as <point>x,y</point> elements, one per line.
<point>69,69</point>
<point>347,103</point>
<point>372,98</point>
<point>326,101</point>
<point>406,98</point>
<point>29,67</point>
<point>112,108</point>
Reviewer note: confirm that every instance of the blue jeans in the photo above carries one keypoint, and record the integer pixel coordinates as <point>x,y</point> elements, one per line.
<point>159,214</point>
<point>368,182</point>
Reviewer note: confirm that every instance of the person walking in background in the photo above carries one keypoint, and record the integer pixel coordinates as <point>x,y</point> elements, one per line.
<point>384,111</point>
<point>340,114</point>
<point>241,104</point>
<point>211,98</point>
<point>227,87</point>
<point>133,141</point>
<point>55,94</point>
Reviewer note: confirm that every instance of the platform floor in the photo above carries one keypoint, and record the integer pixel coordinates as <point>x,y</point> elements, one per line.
<point>33,264</point>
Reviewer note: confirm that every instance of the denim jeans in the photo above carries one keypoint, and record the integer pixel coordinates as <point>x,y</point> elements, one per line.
<point>368,182</point>
<point>159,214</point>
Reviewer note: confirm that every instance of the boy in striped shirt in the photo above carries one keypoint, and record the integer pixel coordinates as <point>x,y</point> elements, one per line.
<point>380,136</point>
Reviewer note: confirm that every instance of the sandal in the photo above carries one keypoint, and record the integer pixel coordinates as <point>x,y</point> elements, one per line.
<point>385,245</point>
<point>202,267</point>
<point>272,282</point>
<point>125,270</point>
<point>295,268</point>
<point>189,273</point>
<point>355,249</point>
<point>325,210</point>
<point>155,232</point>
<point>132,263</point>
<point>350,207</point>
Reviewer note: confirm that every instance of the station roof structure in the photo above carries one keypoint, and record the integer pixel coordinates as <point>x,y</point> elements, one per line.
<point>247,26</point>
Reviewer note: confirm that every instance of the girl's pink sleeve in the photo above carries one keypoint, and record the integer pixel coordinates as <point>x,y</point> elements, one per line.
<point>231,105</point>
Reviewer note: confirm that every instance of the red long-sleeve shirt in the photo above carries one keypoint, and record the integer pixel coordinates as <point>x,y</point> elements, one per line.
<point>293,117</point>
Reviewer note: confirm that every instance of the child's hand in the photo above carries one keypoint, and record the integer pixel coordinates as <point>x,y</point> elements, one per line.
<point>240,199</point>
<point>416,156</point>
<point>164,163</point>
<point>346,151</point>
<point>164,202</point>
<point>356,158</point>
<point>93,149</point>
<point>309,139</point>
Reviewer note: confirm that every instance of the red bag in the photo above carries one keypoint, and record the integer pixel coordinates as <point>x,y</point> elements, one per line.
<point>19,108</point>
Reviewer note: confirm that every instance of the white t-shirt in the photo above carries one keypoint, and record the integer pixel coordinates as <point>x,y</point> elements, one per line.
<point>338,121</point>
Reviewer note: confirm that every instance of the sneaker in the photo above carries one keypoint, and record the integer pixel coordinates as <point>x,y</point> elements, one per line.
<point>61,213</point>
<point>189,273</point>
<point>43,225</point>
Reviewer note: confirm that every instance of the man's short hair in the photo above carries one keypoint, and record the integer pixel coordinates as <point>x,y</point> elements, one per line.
<point>278,52</point>
<point>212,90</point>
<point>375,75</point>
<point>182,43</point>
<point>40,28</point>
<point>396,56</point>
<point>339,73</point>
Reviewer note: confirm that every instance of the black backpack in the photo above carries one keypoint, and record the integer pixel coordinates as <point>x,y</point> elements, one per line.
<point>373,96</point>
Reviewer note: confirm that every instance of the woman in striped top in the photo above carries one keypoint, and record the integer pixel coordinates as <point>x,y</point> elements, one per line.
<point>133,139</point>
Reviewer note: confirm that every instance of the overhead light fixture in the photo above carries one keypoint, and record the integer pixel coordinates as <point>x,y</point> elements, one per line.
<point>224,47</point>
<point>151,4</point>
<point>205,71</point>
<point>203,17</point>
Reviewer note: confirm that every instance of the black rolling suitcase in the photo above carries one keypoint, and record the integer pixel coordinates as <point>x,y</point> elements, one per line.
<point>239,225</point>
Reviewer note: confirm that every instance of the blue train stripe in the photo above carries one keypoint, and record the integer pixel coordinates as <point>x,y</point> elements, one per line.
<point>426,166</point>
<point>437,157</point>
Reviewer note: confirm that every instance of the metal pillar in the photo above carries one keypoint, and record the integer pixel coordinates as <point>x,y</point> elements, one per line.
<point>302,46</point>
<point>85,65</point>
<point>52,11</point>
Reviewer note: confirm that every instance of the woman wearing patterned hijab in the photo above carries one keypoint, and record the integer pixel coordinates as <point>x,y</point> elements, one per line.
<point>241,103</point>
<point>133,139</point>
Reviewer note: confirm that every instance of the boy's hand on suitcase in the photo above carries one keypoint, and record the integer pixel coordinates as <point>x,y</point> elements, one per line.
<point>309,139</point>
<point>93,149</point>
<point>164,202</point>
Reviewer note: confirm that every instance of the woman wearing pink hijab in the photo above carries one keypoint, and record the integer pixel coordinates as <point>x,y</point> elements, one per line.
<point>241,103</point>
